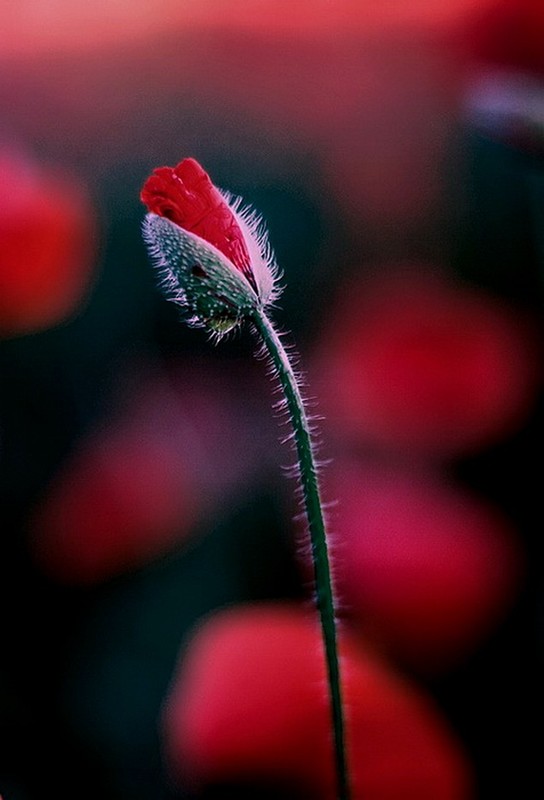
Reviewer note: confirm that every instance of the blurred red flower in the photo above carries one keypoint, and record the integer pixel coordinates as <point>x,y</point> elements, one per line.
<point>250,703</point>
<point>423,364</point>
<point>424,569</point>
<point>509,34</point>
<point>47,245</point>
<point>123,497</point>
<point>35,27</point>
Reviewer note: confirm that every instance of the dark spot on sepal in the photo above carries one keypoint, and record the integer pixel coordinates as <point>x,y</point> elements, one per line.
<point>198,272</point>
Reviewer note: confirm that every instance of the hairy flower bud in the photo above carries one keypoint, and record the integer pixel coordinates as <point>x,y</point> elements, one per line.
<point>214,259</point>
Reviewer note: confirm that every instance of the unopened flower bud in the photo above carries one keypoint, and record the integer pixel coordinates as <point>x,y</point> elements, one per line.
<point>214,259</point>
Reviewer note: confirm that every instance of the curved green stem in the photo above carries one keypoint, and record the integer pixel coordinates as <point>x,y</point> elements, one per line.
<point>316,525</point>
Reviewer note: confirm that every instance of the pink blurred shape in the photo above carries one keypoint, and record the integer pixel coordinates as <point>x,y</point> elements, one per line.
<point>127,494</point>
<point>47,245</point>
<point>32,26</point>
<point>504,46</point>
<point>418,363</point>
<point>425,570</point>
<point>179,447</point>
<point>249,702</point>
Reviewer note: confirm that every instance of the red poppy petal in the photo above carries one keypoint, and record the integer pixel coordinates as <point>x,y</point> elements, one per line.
<point>47,244</point>
<point>250,702</point>
<point>185,195</point>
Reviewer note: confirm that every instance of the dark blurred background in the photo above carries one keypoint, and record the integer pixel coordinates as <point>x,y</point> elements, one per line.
<point>396,152</point>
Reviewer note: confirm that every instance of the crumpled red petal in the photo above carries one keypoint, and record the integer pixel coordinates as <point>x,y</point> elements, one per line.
<point>185,195</point>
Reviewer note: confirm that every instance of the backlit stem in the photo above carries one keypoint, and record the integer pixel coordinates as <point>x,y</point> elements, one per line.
<point>318,536</point>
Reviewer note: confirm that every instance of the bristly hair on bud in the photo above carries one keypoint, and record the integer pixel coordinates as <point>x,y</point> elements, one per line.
<point>212,252</point>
